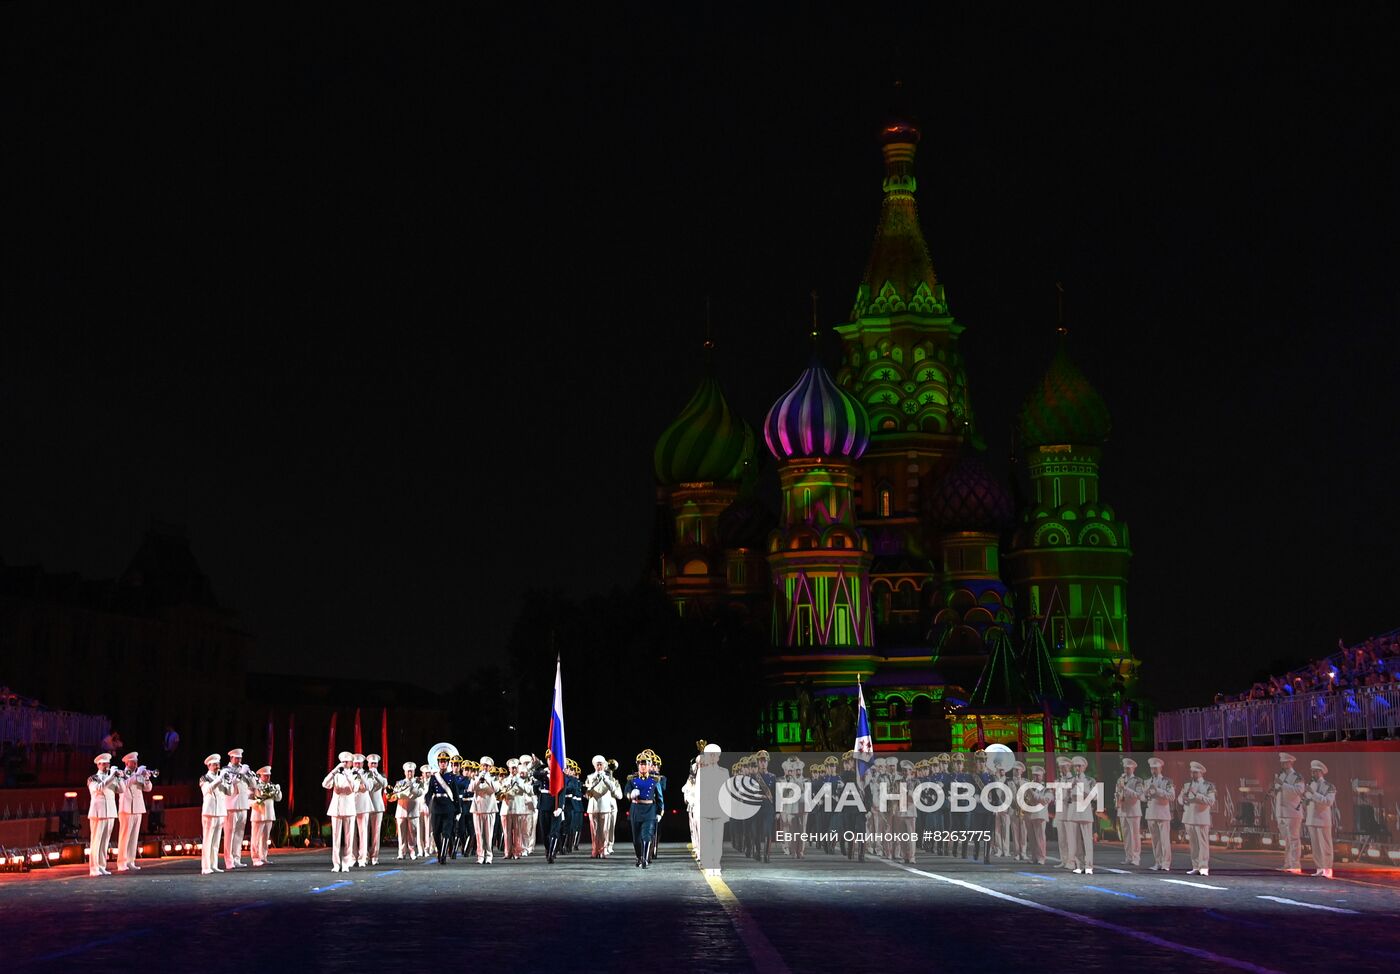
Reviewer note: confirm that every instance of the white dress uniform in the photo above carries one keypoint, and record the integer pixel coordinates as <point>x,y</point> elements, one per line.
<point>1288,816</point>
<point>1320,796</point>
<point>903,814</point>
<point>359,839</point>
<point>1016,829</point>
<point>484,805</point>
<point>1062,839</point>
<point>215,789</point>
<point>530,824</point>
<point>424,826</point>
<point>343,787</point>
<point>1079,817</point>
<point>521,801</point>
<point>104,790</point>
<point>1037,815</point>
<point>789,811</point>
<point>1001,823</point>
<point>407,811</point>
<point>132,805</point>
<point>263,814</point>
<point>1159,791</point>
<point>603,793</point>
<point>238,802</point>
<point>1197,798</point>
<point>375,783</point>
<point>1127,800</point>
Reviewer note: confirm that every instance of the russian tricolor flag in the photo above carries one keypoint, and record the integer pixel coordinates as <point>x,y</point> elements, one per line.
<point>865,744</point>
<point>556,733</point>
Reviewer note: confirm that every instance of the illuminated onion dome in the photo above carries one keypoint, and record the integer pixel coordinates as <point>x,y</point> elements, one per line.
<point>816,418</point>
<point>1064,408</point>
<point>969,498</point>
<point>707,442</point>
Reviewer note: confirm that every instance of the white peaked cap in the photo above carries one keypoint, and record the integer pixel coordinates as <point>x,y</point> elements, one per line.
<point>712,749</point>
<point>133,756</point>
<point>236,753</point>
<point>357,757</point>
<point>410,766</point>
<point>102,758</point>
<point>527,759</point>
<point>1198,766</point>
<point>486,760</point>
<point>372,758</point>
<point>1155,762</point>
<point>597,759</point>
<point>1037,769</point>
<point>1285,756</point>
<point>266,769</point>
<point>1319,766</point>
<point>1079,761</point>
<point>213,759</point>
<point>512,762</point>
<point>345,756</point>
<point>1129,763</point>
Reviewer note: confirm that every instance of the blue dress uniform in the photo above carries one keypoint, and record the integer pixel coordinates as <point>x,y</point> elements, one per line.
<point>763,821</point>
<point>938,818</point>
<point>445,804</point>
<point>641,813</point>
<point>981,819</point>
<point>573,809</point>
<point>544,801</point>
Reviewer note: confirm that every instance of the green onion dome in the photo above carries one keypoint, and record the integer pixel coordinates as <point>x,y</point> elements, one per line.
<point>707,441</point>
<point>1064,408</point>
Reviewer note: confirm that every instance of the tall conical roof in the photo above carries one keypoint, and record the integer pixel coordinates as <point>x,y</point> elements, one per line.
<point>900,274</point>
<point>1063,407</point>
<point>707,441</point>
<point>816,418</point>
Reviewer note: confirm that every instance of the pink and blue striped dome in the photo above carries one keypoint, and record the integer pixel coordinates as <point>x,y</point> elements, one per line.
<point>816,418</point>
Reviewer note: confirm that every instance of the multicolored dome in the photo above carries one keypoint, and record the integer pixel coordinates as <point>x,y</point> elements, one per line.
<point>816,418</point>
<point>707,442</point>
<point>969,498</point>
<point>1064,408</point>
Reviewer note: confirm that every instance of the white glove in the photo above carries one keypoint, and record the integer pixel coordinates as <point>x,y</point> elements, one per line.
<point>634,794</point>
<point>558,813</point>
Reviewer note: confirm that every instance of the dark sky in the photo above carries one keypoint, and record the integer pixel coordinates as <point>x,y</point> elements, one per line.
<point>389,310</point>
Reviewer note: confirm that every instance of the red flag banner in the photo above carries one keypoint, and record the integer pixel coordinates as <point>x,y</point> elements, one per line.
<point>359,741</point>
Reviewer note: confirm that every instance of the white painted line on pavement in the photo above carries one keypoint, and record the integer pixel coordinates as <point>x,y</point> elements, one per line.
<point>1310,906</point>
<point>1142,935</point>
<point>1110,869</point>
<point>765,957</point>
<point>1187,882</point>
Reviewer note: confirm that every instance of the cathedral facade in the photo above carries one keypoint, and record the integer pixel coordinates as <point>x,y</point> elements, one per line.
<point>895,558</point>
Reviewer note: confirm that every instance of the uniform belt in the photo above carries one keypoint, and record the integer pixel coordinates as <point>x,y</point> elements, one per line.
<point>645,801</point>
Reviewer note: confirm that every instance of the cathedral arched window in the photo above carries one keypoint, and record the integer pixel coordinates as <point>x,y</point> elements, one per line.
<point>884,507</point>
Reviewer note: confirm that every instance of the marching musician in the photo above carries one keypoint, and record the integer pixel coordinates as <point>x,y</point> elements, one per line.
<point>1037,815</point>
<point>642,793</point>
<point>1001,820</point>
<point>443,798</point>
<point>343,787</point>
<point>603,793</point>
<point>215,787</point>
<point>483,804</point>
<point>1079,816</point>
<point>710,780</point>
<point>1157,791</point>
<point>1197,798</point>
<point>359,846</point>
<point>1127,799</point>
<point>1319,797</point>
<point>237,802</point>
<point>938,817</point>
<point>263,814</point>
<point>791,817</point>
<point>573,805</point>
<point>425,814</point>
<point>1287,793</point>
<point>104,790</point>
<point>375,783</point>
<point>134,779</point>
<point>1062,829</point>
<point>513,810</point>
<point>1015,781</point>
<point>408,798</point>
<point>902,815</point>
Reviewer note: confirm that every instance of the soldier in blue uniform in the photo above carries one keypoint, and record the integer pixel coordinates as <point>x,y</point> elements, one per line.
<point>444,800</point>
<point>981,819</point>
<point>463,834</point>
<point>763,821</point>
<point>660,801</point>
<point>544,800</point>
<point>959,822</point>
<point>574,801</point>
<point>643,792</point>
<point>852,813</point>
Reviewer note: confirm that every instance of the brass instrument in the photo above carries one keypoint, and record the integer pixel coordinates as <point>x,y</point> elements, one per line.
<point>265,791</point>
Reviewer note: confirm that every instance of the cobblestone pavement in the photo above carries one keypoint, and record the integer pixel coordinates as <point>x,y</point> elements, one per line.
<point>819,914</point>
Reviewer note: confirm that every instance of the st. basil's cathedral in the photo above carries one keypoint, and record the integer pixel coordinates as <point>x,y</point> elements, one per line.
<point>970,610</point>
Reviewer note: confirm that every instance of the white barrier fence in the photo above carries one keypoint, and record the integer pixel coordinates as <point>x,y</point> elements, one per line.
<point>1363,714</point>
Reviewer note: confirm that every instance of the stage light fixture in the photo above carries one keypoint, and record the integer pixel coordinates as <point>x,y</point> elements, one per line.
<point>155,818</point>
<point>68,816</point>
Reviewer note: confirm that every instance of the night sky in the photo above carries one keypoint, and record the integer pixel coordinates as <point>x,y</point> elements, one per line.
<point>389,310</point>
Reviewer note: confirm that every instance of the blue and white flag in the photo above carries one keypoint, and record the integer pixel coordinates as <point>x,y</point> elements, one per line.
<point>865,744</point>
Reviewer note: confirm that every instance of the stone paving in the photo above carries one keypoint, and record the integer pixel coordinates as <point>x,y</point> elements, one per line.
<point>819,914</point>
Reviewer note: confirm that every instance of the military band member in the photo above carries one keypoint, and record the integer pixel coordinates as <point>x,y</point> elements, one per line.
<point>788,807</point>
<point>104,791</point>
<point>902,814</point>
<point>134,779</point>
<point>360,845</point>
<point>214,787</point>
<point>852,815</point>
<point>938,819</point>
<point>424,829</point>
<point>484,805</point>
<point>1319,797</point>
<point>1016,781</point>
<point>463,830</point>
<point>660,777</point>
<point>1062,838</point>
<point>443,799</point>
<point>343,786</point>
<point>238,801</point>
<point>763,821</point>
<point>1197,798</point>
<point>1037,816</point>
<point>1287,794</point>
<point>1001,820</point>
<point>1079,816</point>
<point>643,792</point>
<point>574,805</point>
<point>1158,791</point>
<point>1127,800</point>
<point>407,795</point>
<point>266,795</point>
<point>603,793</point>
<point>375,783</point>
